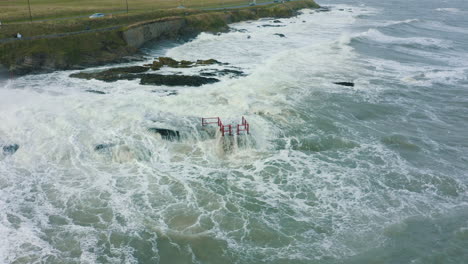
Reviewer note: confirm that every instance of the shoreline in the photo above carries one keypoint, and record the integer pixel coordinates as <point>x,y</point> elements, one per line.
<point>100,47</point>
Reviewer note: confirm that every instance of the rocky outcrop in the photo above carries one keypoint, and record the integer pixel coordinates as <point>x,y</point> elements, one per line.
<point>175,80</point>
<point>166,134</point>
<point>166,61</point>
<point>224,72</point>
<point>95,91</point>
<point>112,75</point>
<point>146,79</point>
<point>103,147</point>
<point>10,149</point>
<point>349,84</point>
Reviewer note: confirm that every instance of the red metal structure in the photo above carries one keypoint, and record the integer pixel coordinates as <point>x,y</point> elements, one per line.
<point>226,129</point>
<point>211,120</point>
<point>243,127</point>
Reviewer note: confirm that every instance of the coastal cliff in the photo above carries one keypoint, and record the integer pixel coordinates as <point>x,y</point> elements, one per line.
<point>75,51</point>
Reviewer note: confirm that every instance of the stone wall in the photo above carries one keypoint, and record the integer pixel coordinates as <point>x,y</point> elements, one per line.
<point>137,35</point>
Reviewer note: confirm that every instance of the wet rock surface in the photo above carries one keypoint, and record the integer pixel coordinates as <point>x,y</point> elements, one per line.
<point>112,75</point>
<point>279,35</point>
<point>95,91</point>
<point>166,134</point>
<point>165,92</point>
<point>175,80</point>
<point>323,9</point>
<point>169,62</point>
<point>267,25</point>
<point>10,149</point>
<point>349,84</point>
<point>224,72</point>
<point>103,147</point>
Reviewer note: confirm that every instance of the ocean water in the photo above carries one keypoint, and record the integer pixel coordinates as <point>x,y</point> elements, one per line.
<point>375,173</point>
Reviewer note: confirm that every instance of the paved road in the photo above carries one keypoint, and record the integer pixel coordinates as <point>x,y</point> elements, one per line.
<point>6,40</point>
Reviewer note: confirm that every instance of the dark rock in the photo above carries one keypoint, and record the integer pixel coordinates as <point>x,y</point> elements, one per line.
<point>349,84</point>
<point>166,134</point>
<point>184,63</point>
<point>248,37</point>
<point>272,25</point>
<point>280,35</point>
<point>95,91</point>
<point>168,61</point>
<point>323,9</point>
<point>242,30</point>
<point>175,80</point>
<point>276,21</point>
<point>156,65</point>
<point>10,149</point>
<point>208,62</point>
<point>102,147</point>
<point>303,21</point>
<point>131,69</point>
<point>208,74</point>
<point>165,61</point>
<point>223,72</point>
<point>165,92</point>
<point>112,75</point>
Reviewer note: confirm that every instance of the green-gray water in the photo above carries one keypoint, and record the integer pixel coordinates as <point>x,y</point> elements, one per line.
<point>375,173</point>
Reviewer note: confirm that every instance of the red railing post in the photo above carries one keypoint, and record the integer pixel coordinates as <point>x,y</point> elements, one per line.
<point>244,126</point>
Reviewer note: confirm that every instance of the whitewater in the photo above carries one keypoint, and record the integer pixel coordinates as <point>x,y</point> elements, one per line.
<point>376,172</point>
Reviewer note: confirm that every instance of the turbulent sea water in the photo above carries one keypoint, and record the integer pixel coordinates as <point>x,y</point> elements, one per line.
<point>375,173</point>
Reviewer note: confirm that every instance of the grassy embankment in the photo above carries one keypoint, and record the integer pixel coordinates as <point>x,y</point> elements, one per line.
<point>102,47</point>
<point>18,11</point>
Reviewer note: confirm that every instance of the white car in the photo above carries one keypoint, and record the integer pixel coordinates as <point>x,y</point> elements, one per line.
<point>97,15</point>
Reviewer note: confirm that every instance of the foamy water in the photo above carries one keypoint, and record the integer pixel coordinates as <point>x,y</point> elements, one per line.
<point>329,174</point>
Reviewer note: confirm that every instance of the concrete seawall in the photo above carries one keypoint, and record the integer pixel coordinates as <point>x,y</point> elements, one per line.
<point>137,35</point>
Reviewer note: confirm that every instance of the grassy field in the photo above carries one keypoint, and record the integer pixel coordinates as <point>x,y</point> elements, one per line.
<point>62,16</point>
<point>17,10</point>
<point>104,42</point>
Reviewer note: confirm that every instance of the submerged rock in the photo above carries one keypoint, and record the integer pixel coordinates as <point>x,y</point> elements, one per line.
<point>276,21</point>
<point>175,80</point>
<point>165,92</point>
<point>323,9</point>
<point>169,62</point>
<point>10,149</point>
<point>223,72</point>
<point>95,91</point>
<point>102,147</point>
<point>242,30</point>
<point>279,35</point>
<point>267,25</point>
<point>166,134</point>
<point>349,84</point>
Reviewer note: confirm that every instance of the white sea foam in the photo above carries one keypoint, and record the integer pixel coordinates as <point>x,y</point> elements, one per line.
<point>294,190</point>
<point>375,35</point>
<point>448,9</point>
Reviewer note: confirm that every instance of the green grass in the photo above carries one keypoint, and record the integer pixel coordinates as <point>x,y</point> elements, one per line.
<point>17,10</point>
<point>94,48</point>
